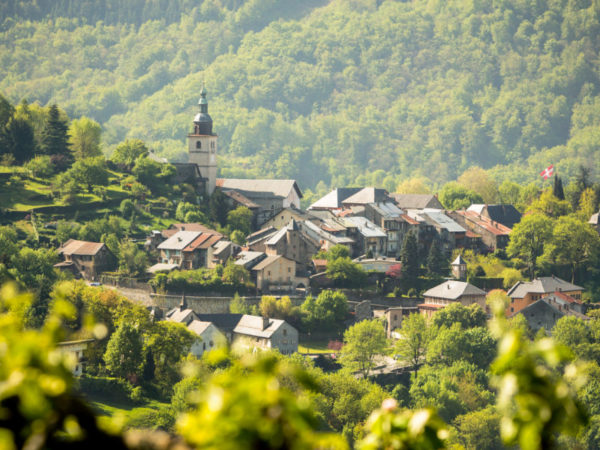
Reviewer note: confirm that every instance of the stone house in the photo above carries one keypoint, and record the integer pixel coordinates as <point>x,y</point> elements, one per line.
<point>333,200</point>
<point>275,273</point>
<point>88,259</point>
<point>494,235</point>
<point>266,333</point>
<point>394,317</point>
<point>195,249</point>
<point>451,291</point>
<point>504,214</point>
<point>545,312</point>
<point>269,195</point>
<point>367,236</point>
<point>210,337</point>
<point>524,293</point>
<point>284,216</point>
<point>594,222</point>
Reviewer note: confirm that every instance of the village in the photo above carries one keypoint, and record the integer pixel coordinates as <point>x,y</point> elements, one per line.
<point>379,241</point>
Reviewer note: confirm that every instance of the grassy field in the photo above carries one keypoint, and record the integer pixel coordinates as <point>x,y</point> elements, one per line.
<point>315,347</point>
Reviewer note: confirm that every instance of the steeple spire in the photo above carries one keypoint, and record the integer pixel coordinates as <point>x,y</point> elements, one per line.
<point>203,121</point>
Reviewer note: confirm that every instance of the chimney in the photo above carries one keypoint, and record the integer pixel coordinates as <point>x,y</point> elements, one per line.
<point>265,323</point>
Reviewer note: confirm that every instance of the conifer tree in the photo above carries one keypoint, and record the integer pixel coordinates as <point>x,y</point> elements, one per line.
<point>558,191</point>
<point>437,263</point>
<point>54,135</point>
<point>410,257</point>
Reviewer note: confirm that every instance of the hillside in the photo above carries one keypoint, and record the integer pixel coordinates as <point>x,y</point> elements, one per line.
<point>362,91</point>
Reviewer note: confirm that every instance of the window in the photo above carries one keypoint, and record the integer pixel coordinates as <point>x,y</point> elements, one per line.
<point>198,144</point>
<point>284,332</point>
<point>211,343</point>
<point>268,273</point>
<point>289,269</point>
<point>204,346</point>
<point>395,316</point>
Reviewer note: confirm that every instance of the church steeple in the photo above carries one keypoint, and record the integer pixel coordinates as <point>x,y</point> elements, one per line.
<point>202,120</point>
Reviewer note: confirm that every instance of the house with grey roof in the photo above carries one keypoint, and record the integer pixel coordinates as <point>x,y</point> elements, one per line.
<point>86,259</point>
<point>248,259</point>
<point>194,249</point>
<point>545,312</point>
<point>209,337</point>
<point>524,293</point>
<point>367,236</point>
<point>452,291</point>
<point>333,200</point>
<point>416,201</point>
<point>276,273</point>
<point>326,238</point>
<point>265,333</point>
<point>367,195</point>
<point>269,195</point>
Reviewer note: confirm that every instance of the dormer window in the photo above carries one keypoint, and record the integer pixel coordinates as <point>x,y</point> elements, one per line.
<point>198,144</point>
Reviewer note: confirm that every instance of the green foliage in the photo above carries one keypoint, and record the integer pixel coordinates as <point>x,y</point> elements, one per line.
<point>124,355</point>
<point>480,429</point>
<point>465,316</point>
<point>528,238</point>
<point>362,343</point>
<point>204,280</point>
<point>437,261</point>
<point>409,257</point>
<point>452,344</point>
<point>128,151</point>
<point>453,390</point>
<point>185,393</point>
<point>40,166</point>
<point>346,273</point>
<point>281,308</point>
<point>153,174</point>
<point>414,337</point>
<point>336,252</point>
<point>132,260</point>
<point>391,428</point>
<point>455,196</point>
<point>230,415</point>
<point>535,388</point>
<point>239,305</point>
<point>84,138</point>
<point>325,312</point>
<point>168,343</point>
<point>54,135</point>
<point>240,219</point>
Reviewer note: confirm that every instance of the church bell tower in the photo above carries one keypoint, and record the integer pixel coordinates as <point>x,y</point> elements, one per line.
<point>202,144</point>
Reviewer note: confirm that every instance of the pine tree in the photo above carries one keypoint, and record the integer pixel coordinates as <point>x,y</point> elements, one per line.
<point>558,191</point>
<point>19,139</point>
<point>410,257</point>
<point>437,263</point>
<point>54,135</point>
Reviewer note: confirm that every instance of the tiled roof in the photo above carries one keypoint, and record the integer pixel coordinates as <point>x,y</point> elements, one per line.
<point>366,227</point>
<point>179,240</point>
<point>198,326</point>
<point>545,303</point>
<point>367,195</point>
<point>416,201</point>
<point>187,227</point>
<point>542,285</point>
<point>260,188</point>
<point>270,259</point>
<point>505,214</point>
<point>334,199</point>
<point>487,224</point>
<point>224,322</point>
<point>241,199</point>
<point>75,247</point>
<point>443,221</point>
<point>253,326</point>
<point>453,290</point>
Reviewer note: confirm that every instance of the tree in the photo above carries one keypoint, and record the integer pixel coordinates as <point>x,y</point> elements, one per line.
<point>455,196</point>
<point>240,219</point>
<point>40,166</point>
<point>132,260</point>
<point>84,138</point>
<point>409,257</point>
<point>89,172</point>
<point>418,185</point>
<point>128,151</point>
<point>327,311</point>
<point>477,180</point>
<point>235,273</point>
<point>452,344</point>
<point>337,251</point>
<point>19,140</point>
<point>572,243</point>
<point>153,174</point>
<point>54,135</point>
<point>218,207</point>
<point>169,343</point>
<point>588,204</point>
<point>362,343</point>
<point>437,262</point>
<point>480,429</point>
<point>414,337</point>
<point>549,205</point>
<point>528,238</point>
<point>124,355</point>
<point>282,308</point>
<point>558,190</point>
<point>239,305</point>
<point>466,316</point>
<point>346,273</point>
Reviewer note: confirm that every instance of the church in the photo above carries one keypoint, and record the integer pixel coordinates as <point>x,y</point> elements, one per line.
<point>264,198</point>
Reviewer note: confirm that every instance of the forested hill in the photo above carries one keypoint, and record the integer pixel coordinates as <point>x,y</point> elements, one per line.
<point>346,91</point>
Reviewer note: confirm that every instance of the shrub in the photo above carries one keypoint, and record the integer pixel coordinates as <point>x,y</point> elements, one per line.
<point>40,167</point>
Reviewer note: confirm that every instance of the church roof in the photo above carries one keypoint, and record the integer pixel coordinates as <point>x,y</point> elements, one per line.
<point>260,188</point>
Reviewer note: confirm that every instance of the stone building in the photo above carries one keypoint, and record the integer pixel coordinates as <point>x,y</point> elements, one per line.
<point>86,259</point>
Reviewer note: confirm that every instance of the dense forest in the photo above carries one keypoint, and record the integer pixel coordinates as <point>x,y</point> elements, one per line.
<point>339,92</point>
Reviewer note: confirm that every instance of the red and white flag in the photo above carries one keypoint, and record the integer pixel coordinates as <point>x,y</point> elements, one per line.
<point>547,172</point>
